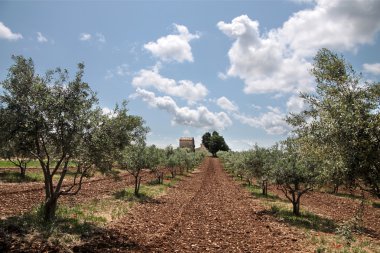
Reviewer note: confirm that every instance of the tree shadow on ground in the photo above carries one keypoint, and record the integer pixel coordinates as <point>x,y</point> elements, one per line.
<point>108,240</point>
<point>305,220</point>
<point>30,233</point>
<point>128,195</point>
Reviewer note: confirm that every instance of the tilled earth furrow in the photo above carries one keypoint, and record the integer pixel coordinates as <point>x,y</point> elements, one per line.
<point>220,220</point>
<point>205,212</point>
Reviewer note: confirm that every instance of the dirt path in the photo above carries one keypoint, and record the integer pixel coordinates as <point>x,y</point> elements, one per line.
<point>205,212</point>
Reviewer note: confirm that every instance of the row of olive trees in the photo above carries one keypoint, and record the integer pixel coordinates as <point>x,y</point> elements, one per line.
<point>335,141</point>
<point>139,157</point>
<point>58,122</point>
<point>281,165</point>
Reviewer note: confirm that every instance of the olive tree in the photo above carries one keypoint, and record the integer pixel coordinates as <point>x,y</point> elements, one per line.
<point>189,160</point>
<point>343,117</point>
<point>15,145</point>
<point>15,149</point>
<point>60,119</point>
<point>227,159</point>
<point>294,174</point>
<point>171,161</point>
<point>136,158</point>
<point>260,167</point>
<point>156,162</point>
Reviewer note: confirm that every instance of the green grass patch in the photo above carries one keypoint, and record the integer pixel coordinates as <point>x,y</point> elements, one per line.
<point>256,191</point>
<point>149,191</point>
<point>146,193</point>
<point>306,220</point>
<point>15,177</point>
<point>173,181</point>
<point>81,213</point>
<point>9,164</point>
<point>96,211</point>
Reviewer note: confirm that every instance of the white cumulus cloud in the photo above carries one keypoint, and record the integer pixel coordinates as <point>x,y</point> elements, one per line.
<point>99,37</point>
<point>41,38</point>
<point>337,25</point>
<point>372,68</point>
<point>120,70</point>
<point>85,36</point>
<point>199,117</point>
<point>295,104</point>
<point>272,121</point>
<point>6,33</point>
<point>173,47</point>
<point>262,61</point>
<point>226,104</point>
<point>279,60</point>
<point>185,89</point>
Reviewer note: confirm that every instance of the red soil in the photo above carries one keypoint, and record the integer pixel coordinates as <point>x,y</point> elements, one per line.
<point>207,211</point>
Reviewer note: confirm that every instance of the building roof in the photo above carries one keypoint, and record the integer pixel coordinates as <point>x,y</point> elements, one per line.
<point>186,139</point>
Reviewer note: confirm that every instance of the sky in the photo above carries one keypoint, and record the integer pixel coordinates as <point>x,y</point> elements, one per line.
<point>188,67</point>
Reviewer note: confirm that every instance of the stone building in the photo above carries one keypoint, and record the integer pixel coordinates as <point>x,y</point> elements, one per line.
<point>187,142</point>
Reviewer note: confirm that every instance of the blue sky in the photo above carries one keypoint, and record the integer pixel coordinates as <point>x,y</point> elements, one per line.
<point>188,67</point>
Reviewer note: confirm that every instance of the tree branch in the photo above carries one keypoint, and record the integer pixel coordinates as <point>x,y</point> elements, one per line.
<point>285,191</point>
<point>59,163</point>
<point>80,172</point>
<point>63,174</point>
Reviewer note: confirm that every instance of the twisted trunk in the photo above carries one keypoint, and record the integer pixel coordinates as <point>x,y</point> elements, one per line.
<point>264,187</point>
